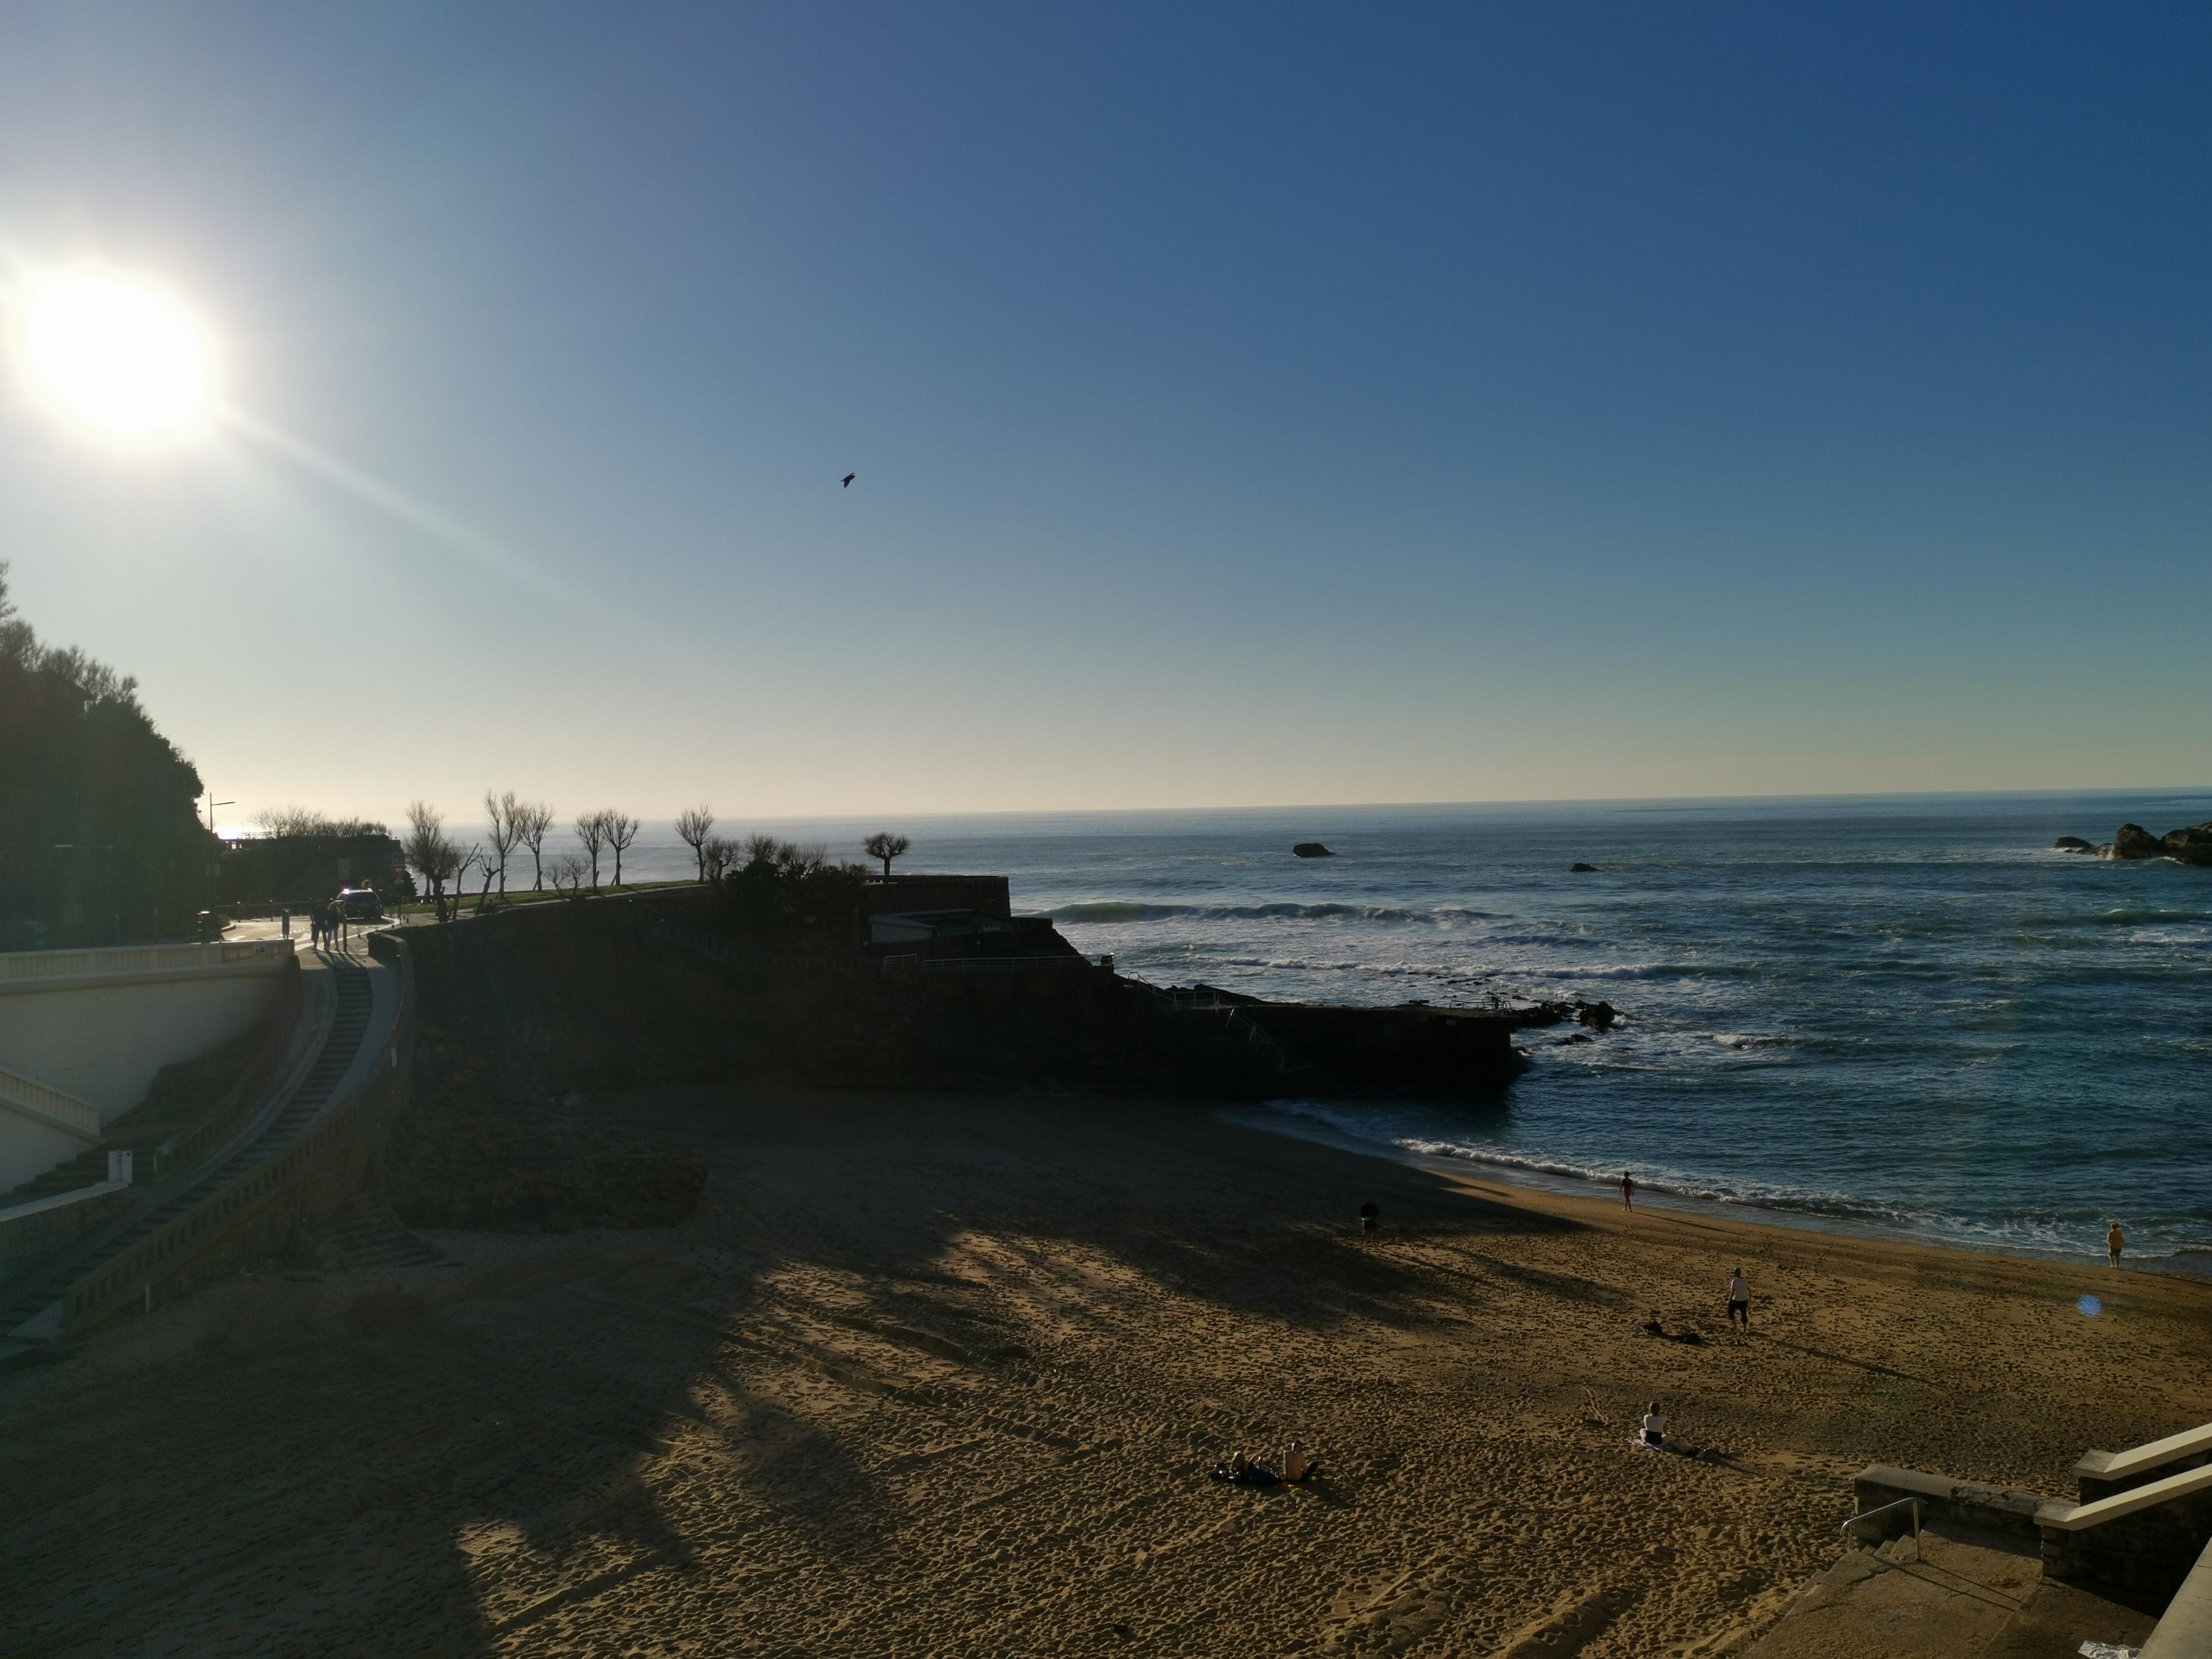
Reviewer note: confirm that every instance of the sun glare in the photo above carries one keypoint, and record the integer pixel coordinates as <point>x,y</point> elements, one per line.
<point>119,355</point>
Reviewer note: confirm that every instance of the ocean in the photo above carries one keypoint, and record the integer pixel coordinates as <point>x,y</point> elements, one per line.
<point>1903,1014</point>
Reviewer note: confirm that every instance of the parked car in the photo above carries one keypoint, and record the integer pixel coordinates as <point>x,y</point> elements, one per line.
<point>361,904</point>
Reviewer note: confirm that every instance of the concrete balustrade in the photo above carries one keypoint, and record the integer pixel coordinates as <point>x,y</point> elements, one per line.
<point>2184,1630</point>
<point>2101,1474</point>
<point>30,1232</point>
<point>65,1112</point>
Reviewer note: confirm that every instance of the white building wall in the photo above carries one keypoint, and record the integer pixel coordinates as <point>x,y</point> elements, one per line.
<point>103,1043</point>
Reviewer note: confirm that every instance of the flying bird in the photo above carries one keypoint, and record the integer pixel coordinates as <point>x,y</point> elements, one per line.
<point>849,477</point>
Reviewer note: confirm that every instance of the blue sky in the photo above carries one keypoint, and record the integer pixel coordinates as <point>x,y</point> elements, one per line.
<point>1259,405</point>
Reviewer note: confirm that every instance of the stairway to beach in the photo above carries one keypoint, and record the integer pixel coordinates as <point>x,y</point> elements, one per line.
<point>1952,1593</point>
<point>349,1023</point>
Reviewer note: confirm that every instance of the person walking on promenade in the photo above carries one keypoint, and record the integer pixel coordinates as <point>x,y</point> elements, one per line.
<point>1740,1300</point>
<point>2115,1242</point>
<point>1628,1191</point>
<point>314,930</point>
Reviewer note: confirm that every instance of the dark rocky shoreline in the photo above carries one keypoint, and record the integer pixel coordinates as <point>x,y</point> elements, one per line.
<point>2188,845</point>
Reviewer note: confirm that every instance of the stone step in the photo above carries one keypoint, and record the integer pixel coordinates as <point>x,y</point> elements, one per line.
<point>1946,1594</point>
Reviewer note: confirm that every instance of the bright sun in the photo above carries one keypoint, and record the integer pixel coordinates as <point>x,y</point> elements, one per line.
<point>120,355</point>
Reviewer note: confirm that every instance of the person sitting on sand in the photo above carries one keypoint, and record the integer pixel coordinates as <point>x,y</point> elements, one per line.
<point>1297,1466</point>
<point>1652,1327</point>
<point>1240,1470</point>
<point>1655,1428</point>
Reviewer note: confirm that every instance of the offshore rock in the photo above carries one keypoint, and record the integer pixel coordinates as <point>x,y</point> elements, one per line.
<point>2134,842</point>
<point>1581,869</point>
<point>2074,844</point>
<point>1312,849</point>
<point>2190,846</point>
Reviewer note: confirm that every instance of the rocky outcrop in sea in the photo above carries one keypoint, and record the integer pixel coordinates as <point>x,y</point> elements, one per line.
<point>2188,845</point>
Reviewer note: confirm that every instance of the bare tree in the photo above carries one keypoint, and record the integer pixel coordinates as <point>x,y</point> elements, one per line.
<point>568,872</point>
<point>693,824</point>
<point>715,856</point>
<point>505,812</point>
<point>532,818</point>
<point>297,820</point>
<point>622,830</point>
<point>425,848</point>
<point>591,831</point>
<point>885,846</point>
<point>463,859</point>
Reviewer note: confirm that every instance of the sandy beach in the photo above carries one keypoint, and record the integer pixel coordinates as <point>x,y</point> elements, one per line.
<point>932,1375</point>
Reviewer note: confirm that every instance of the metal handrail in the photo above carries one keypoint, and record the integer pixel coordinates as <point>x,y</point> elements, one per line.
<point>1869,1515</point>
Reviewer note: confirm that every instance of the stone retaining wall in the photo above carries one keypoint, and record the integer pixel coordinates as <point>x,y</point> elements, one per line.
<point>29,1233</point>
<point>1963,1503</point>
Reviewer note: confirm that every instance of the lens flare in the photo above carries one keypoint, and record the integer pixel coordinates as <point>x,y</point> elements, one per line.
<point>119,356</point>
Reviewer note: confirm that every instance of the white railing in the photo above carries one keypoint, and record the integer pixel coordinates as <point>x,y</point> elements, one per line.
<point>2074,1517</point>
<point>1913,1504</point>
<point>21,968</point>
<point>50,1106</point>
<point>2119,1466</point>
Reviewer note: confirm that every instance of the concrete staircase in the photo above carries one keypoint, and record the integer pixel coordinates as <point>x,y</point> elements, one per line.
<point>31,1299</point>
<point>1972,1570</point>
<point>87,1168</point>
<point>1953,1593</point>
<point>366,1234</point>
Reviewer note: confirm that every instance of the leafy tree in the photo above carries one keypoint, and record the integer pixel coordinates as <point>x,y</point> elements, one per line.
<point>885,846</point>
<point>100,837</point>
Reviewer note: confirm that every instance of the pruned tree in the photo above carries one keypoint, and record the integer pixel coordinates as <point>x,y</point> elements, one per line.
<point>622,831</point>
<point>465,860</point>
<point>568,872</point>
<point>716,855</point>
<point>885,846</point>
<point>693,825</point>
<point>434,858</point>
<point>532,818</point>
<point>591,832</point>
<point>505,812</point>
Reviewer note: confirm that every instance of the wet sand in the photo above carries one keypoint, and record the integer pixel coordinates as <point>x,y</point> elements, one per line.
<point>933,1374</point>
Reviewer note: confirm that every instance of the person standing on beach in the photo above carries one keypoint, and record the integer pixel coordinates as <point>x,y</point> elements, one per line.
<point>1628,1191</point>
<point>1739,1299</point>
<point>2115,1242</point>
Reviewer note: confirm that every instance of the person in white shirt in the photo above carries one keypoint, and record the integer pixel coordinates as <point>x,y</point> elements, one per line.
<point>1739,1299</point>
<point>1654,1427</point>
